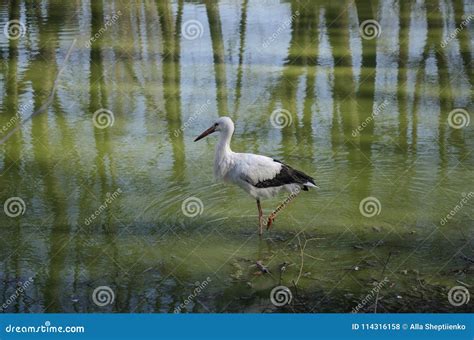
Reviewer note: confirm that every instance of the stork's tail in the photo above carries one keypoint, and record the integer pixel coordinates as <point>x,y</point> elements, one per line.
<point>311,185</point>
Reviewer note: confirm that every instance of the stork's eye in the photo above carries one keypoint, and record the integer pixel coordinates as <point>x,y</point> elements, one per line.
<point>216,124</point>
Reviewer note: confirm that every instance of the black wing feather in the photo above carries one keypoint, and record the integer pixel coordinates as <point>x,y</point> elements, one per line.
<point>287,175</point>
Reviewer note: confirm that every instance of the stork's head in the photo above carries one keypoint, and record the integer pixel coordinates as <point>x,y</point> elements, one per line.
<point>222,125</point>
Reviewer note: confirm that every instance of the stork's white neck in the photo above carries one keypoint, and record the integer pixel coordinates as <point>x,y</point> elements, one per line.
<point>223,156</point>
<point>223,146</point>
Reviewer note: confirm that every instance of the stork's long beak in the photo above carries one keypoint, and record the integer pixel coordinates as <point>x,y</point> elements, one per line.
<point>205,133</point>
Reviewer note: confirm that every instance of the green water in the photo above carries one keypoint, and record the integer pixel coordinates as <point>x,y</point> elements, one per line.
<point>248,59</point>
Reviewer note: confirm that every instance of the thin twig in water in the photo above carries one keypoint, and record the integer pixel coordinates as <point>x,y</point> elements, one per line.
<point>297,296</point>
<point>302,262</point>
<point>378,291</point>
<point>47,102</point>
<point>302,252</point>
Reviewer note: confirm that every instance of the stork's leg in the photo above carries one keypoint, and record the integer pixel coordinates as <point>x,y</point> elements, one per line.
<point>260,218</point>
<point>283,205</point>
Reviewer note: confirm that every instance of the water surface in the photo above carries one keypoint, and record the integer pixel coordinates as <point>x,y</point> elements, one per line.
<point>366,118</point>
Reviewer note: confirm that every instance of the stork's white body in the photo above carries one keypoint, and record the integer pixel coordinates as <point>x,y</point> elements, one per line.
<point>260,176</point>
<point>233,167</point>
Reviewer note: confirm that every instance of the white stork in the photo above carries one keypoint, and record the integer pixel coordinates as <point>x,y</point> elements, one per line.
<point>260,176</point>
